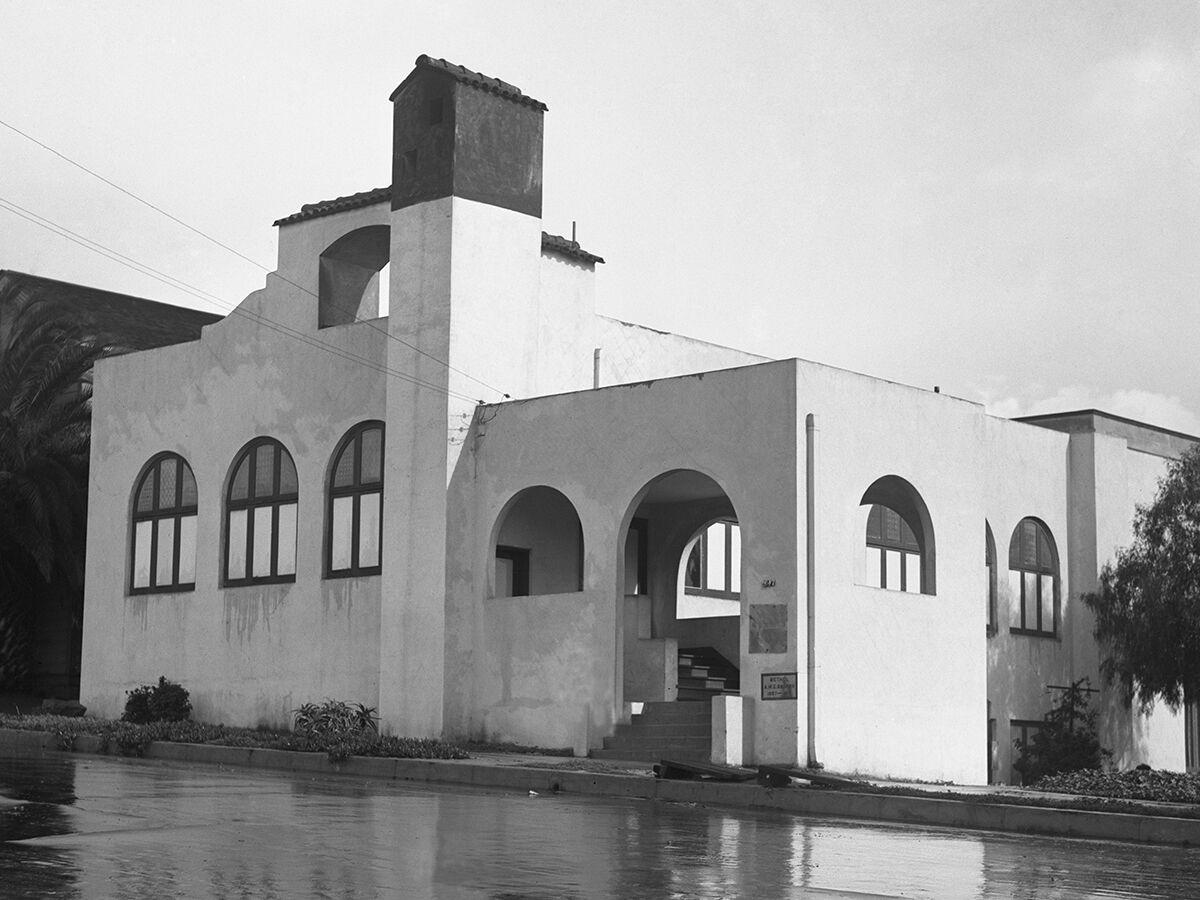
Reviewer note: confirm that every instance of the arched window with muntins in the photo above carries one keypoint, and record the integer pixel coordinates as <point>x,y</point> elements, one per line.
<point>355,506</point>
<point>901,554</point>
<point>1033,578</point>
<point>164,527</point>
<point>260,511</point>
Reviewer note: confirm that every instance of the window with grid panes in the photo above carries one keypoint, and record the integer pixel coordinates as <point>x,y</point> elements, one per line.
<point>893,551</point>
<point>164,527</point>
<point>1033,579</point>
<point>260,524</point>
<point>714,566</point>
<point>355,510</point>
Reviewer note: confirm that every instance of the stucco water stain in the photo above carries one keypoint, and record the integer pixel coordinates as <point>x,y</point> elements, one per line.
<point>133,829</point>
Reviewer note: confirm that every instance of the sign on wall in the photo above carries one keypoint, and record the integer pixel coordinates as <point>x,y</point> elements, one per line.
<point>768,627</point>
<point>779,686</point>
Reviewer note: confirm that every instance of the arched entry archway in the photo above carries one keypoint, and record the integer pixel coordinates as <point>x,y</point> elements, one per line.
<point>680,584</point>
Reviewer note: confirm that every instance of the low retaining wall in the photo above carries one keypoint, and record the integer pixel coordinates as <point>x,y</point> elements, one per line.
<point>802,801</point>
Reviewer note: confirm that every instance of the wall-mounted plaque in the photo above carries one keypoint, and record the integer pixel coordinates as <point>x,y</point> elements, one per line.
<point>779,686</point>
<point>768,627</point>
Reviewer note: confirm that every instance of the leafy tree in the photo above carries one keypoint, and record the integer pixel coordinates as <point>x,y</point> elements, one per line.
<point>45,420</point>
<point>1147,606</point>
<point>1067,740</point>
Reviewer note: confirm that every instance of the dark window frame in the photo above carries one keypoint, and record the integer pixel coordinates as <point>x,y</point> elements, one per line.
<point>1044,562</point>
<point>701,547</point>
<point>519,557</point>
<point>157,513</point>
<point>910,544</point>
<point>357,489</point>
<point>272,501</point>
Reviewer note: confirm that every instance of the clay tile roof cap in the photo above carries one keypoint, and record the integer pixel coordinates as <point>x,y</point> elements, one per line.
<point>338,204</point>
<point>567,247</point>
<point>463,75</point>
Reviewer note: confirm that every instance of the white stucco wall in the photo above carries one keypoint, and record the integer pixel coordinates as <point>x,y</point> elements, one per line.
<point>630,353</point>
<point>1124,478</point>
<point>566,442</point>
<point>900,677</point>
<point>247,654</point>
<point>1026,475</point>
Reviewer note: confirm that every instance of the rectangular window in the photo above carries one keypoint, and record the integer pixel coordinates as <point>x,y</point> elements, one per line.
<point>236,561</point>
<point>512,572</point>
<point>368,530</point>
<point>874,567</point>
<point>715,560</point>
<point>286,564</point>
<point>1034,595</point>
<point>263,529</point>
<point>735,560</point>
<point>343,511</point>
<point>892,576</point>
<point>165,566</point>
<point>141,554</point>
<point>912,573</point>
<point>1029,602</point>
<point>187,550</point>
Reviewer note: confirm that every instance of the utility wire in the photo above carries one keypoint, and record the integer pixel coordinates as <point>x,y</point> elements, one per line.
<point>243,256</point>
<point>171,281</point>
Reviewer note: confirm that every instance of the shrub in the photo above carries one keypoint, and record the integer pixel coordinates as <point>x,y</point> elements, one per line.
<point>335,722</point>
<point>162,702</point>
<point>1067,740</point>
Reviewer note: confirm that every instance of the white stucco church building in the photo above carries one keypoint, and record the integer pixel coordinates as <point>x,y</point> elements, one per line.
<point>310,501</point>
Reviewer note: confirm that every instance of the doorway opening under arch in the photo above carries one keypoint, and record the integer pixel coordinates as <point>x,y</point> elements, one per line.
<point>681,589</point>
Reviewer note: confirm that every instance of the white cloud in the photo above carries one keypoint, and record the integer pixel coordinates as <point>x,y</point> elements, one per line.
<point>1163,410</point>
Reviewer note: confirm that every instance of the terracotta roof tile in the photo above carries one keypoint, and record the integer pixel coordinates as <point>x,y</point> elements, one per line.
<point>557,244</point>
<point>338,204</point>
<point>463,75</point>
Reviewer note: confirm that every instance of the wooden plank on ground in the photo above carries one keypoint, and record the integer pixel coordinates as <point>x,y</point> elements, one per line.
<point>678,769</point>
<point>777,776</point>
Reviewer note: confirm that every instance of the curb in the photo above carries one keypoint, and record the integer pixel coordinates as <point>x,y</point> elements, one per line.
<point>804,801</point>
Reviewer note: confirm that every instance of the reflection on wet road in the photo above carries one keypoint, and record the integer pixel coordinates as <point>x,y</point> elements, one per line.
<point>92,827</point>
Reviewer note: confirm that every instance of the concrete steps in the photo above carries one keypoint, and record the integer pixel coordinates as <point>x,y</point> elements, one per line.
<point>662,730</point>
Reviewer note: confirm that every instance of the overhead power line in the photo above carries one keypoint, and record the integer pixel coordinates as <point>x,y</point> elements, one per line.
<point>244,257</point>
<point>223,305</point>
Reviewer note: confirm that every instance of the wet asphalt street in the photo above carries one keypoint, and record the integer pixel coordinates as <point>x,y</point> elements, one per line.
<point>97,827</point>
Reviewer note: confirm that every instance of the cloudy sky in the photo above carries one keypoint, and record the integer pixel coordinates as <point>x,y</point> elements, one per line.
<point>1001,198</point>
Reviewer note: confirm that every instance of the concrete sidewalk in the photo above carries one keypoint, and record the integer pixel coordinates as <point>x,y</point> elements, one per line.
<point>971,807</point>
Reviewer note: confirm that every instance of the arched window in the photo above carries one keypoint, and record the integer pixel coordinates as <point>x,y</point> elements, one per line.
<point>538,544</point>
<point>164,527</point>
<point>355,503</point>
<point>900,553</point>
<point>260,525</point>
<point>712,575</point>
<point>1033,577</point>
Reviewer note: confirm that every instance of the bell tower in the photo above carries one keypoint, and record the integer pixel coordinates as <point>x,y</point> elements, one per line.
<point>464,305</point>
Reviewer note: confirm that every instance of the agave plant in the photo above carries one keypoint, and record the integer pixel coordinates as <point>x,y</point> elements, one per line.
<point>335,720</point>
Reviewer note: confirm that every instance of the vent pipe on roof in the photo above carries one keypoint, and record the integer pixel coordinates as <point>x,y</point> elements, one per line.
<point>595,367</point>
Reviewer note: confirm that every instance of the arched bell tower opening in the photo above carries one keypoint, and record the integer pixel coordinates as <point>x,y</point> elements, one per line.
<point>351,286</point>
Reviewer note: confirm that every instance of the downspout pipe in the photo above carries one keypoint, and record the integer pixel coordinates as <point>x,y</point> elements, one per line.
<point>810,564</point>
